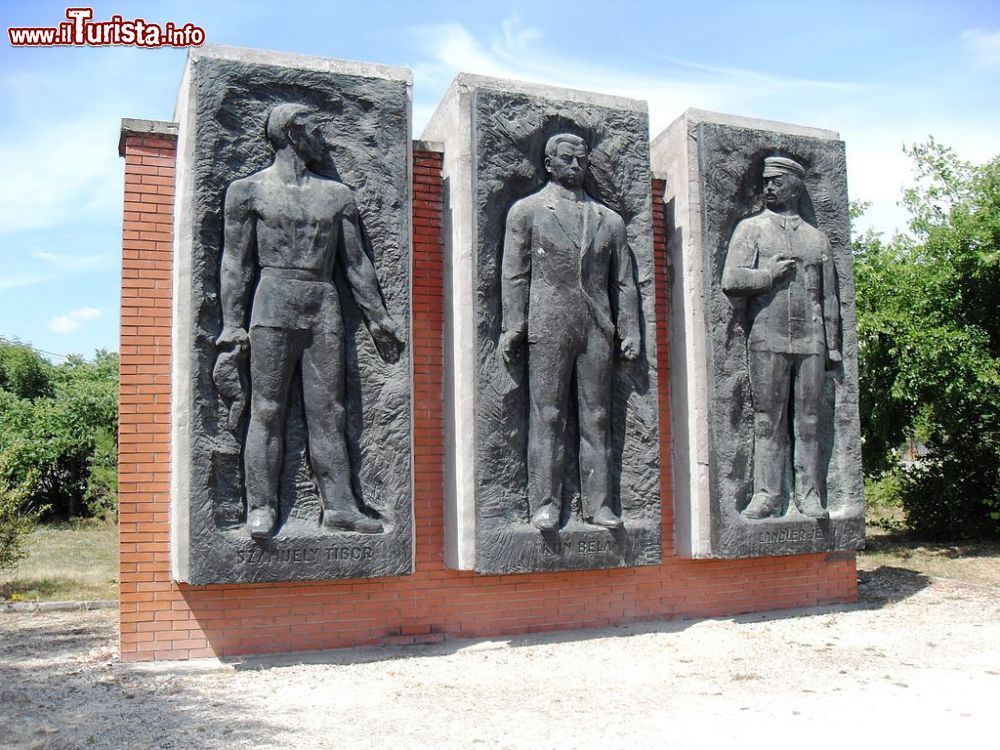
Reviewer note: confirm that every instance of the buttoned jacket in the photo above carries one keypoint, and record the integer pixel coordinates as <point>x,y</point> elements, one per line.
<point>799,314</point>
<point>561,259</point>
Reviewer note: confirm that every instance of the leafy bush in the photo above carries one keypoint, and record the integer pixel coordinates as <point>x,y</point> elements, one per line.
<point>58,436</point>
<point>16,520</point>
<point>101,495</point>
<point>929,347</point>
<point>885,492</point>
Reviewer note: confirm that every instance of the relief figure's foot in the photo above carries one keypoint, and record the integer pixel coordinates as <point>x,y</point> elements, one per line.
<point>607,518</point>
<point>260,522</point>
<point>763,506</point>
<point>811,506</point>
<point>546,518</point>
<point>351,520</point>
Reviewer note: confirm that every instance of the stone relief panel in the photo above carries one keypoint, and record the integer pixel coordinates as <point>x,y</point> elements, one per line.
<point>291,376</point>
<point>566,422</point>
<point>782,347</point>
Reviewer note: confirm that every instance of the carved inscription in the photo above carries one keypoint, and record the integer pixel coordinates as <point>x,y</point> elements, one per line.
<point>582,546</point>
<point>307,555</point>
<point>789,535</point>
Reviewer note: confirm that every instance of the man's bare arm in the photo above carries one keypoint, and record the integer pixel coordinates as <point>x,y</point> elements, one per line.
<point>362,279</point>
<point>237,272</point>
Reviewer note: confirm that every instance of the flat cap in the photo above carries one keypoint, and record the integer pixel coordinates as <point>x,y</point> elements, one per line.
<point>779,165</point>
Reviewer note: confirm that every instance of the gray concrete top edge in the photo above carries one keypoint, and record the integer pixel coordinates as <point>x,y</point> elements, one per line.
<point>294,60</point>
<point>787,128</point>
<point>434,146</point>
<point>474,80</point>
<point>133,126</point>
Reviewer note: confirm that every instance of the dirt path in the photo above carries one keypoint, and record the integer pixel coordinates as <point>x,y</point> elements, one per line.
<point>917,658</point>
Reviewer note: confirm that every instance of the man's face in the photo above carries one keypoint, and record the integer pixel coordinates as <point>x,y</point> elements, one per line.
<point>782,191</point>
<point>569,164</point>
<point>307,138</point>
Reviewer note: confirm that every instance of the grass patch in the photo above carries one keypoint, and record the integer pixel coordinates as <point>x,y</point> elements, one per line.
<point>890,545</point>
<point>66,561</point>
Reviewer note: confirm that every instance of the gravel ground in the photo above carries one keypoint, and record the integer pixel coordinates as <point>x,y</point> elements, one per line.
<point>917,661</point>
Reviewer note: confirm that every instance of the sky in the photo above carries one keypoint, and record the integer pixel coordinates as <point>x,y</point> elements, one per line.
<point>882,74</point>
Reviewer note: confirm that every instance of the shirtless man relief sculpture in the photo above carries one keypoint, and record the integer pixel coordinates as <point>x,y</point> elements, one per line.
<point>292,230</point>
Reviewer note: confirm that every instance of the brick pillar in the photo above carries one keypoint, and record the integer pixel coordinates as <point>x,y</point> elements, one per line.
<point>427,352</point>
<point>144,402</point>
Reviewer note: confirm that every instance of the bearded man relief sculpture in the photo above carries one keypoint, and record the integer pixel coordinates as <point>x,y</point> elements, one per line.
<point>784,267</point>
<point>293,230</point>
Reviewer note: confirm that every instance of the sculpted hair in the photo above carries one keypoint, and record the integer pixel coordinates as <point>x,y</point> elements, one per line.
<point>278,120</point>
<point>552,145</point>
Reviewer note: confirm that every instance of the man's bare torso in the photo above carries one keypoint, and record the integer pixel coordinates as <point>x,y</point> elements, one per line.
<point>298,225</point>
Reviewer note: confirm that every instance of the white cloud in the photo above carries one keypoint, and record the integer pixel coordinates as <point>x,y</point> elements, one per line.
<point>72,321</point>
<point>983,45</point>
<point>669,85</point>
<point>874,120</point>
<point>12,281</point>
<point>66,262</point>
<point>65,172</point>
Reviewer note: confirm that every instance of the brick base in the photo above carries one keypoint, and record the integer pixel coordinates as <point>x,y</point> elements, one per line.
<point>161,619</point>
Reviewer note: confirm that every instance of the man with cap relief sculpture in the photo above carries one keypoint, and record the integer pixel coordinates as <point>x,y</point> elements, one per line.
<point>292,229</point>
<point>785,267</point>
<point>565,260</point>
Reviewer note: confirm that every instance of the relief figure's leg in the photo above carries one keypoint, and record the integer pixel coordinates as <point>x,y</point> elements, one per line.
<point>594,380</point>
<point>549,372</point>
<point>274,352</point>
<point>770,379</point>
<point>808,400</point>
<point>323,388</point>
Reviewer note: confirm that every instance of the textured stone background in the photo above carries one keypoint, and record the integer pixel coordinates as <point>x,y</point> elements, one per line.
<point>509,134</point>
<point>366,126</point>
<point>730,164</point>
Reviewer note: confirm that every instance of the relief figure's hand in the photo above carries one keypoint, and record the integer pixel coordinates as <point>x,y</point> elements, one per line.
<point>388,338</point>
<point>780,267</point>
<point>509,342</point>
<point>233,337</point>
<point>630,348</point>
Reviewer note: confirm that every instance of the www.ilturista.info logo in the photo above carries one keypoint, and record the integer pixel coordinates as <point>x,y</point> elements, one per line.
<point>80,31</point>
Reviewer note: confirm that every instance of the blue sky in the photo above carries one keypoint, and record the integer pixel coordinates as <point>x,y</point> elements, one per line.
<point>881,73</point>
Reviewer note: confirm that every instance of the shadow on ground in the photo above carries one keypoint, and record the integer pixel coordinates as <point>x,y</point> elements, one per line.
<point>900,544</point>
<point>368,654</point>
<point>61,687</point>
<point>887,584</point>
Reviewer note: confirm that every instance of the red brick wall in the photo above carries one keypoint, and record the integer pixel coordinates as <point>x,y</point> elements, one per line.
<point>161,619</point>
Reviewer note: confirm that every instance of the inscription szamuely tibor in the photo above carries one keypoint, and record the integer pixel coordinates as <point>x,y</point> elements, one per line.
<point>307,555</point>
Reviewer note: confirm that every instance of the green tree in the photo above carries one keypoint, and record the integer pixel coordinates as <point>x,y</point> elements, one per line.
<point>22,372</point>
<point>58,436</point>
<point>16,518</point>
<point>929,346</point>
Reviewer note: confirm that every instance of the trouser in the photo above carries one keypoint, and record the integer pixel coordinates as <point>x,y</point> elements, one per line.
<point>550,372</point>
<point>274,355</point>
<point>780,382</point>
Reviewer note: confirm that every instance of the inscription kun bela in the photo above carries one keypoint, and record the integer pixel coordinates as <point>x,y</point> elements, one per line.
<point>307,555</point>
<point>582,546</point>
